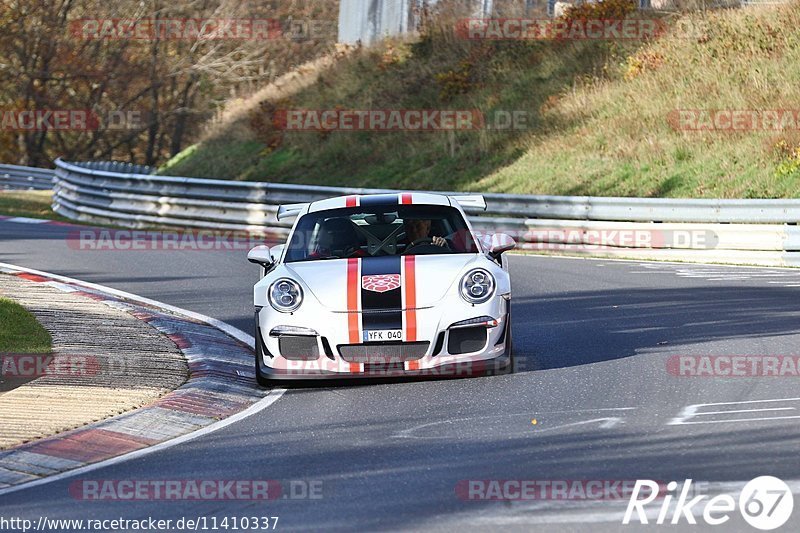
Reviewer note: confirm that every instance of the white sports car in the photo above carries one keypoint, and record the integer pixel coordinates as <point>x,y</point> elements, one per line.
<point>382,285</point>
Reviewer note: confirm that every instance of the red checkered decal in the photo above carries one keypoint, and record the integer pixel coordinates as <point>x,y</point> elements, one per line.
<point>381,282</point>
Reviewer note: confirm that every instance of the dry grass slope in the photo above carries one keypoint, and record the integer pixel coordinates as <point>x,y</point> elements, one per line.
<point>600,114</point>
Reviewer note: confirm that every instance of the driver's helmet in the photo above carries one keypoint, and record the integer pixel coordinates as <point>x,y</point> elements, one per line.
<point>337,236</point>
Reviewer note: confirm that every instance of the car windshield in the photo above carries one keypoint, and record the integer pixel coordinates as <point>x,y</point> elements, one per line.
<point>380,231</point>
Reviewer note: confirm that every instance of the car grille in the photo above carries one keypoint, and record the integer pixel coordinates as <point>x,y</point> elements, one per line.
<point>298,348</point>
<point>384,352</point>
<point>466,340</point>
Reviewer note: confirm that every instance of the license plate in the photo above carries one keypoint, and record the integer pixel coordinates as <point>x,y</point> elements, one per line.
<point>383,335</point>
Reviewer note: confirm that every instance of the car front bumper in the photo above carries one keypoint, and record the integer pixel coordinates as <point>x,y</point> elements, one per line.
<point>327,362</point>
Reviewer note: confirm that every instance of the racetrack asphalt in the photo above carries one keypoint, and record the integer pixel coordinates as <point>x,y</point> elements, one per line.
<point>592,338</point>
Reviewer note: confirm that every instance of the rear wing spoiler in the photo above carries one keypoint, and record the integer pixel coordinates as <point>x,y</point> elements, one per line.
<point>290,210</point>
<point>474,201</point>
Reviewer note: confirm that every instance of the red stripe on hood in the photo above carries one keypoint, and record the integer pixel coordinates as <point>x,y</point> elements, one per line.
<point>410,288</point>
<point>353,288</point>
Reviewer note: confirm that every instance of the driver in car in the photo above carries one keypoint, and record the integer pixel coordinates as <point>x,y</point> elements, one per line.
<point>417,232</point>
<point>338,238</point>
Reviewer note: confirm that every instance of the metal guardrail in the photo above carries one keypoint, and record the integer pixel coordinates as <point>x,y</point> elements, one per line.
<point>118,167</point>
<point>743,231</point>
<point>26,178</point>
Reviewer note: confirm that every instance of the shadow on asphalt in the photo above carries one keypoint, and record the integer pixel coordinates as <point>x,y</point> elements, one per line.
<point>578,328</point>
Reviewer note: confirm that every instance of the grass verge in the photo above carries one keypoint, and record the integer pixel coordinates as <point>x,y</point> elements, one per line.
<point>20,332</point>
<point>30,204</point>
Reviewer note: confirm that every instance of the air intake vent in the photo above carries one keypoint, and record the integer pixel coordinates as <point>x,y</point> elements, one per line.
<point>384,352</point>
<point>466,340</point>
<point>297,348</point>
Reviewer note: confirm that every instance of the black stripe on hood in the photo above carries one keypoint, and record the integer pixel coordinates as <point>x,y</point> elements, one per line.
<point>390,301</point>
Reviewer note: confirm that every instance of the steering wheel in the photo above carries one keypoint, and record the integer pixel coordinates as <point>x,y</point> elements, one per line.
<point>351,251</point>
<point>427,242</point>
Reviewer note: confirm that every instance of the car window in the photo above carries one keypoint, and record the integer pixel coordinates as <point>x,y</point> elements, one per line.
<point>380,231</point>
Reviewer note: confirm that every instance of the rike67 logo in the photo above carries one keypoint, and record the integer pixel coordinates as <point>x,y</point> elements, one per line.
<point>765,503</point>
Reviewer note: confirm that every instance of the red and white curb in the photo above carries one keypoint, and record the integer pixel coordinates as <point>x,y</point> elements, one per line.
<point>221,390</point>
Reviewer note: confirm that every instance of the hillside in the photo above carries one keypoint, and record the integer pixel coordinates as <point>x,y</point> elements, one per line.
<point>603,117</point>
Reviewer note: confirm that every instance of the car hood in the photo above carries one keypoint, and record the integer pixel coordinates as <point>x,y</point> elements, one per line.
<point>432,278</point>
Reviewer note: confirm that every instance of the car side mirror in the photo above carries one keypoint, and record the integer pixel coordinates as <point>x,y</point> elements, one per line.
<point>500,244</point>
<point>277,252</point>
<point>261,255</point>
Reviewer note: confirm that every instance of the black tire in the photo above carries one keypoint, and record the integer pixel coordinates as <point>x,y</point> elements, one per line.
<point>262,381</point>
<point>510,349</point>
<point>509,368</point>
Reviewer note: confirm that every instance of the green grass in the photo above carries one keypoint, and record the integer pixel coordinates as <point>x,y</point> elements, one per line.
<point>599,115</point>
<point>31,204</point>
<point>20,332</point>
<point>37,204</point>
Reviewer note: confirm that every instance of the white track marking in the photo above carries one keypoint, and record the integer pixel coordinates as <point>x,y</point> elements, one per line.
<point>26,220</point>
<point>654,264</point>
<point>700,274</point>
<point>759,419</point>
<point>257,407</point>
<point>609,421</point>
<point>787,276</point>
<point>706,413</point>
<point>694,411</point>
<point>754,401</point>
<point>771,276</point>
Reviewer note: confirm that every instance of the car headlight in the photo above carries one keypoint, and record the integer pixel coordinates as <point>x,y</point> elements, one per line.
<point>285,295</point>
<point>477,286</point>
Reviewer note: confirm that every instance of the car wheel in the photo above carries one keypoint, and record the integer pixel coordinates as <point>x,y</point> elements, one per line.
<point>509,369</point>
<point>264,382</point>
<point>510,352</point>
